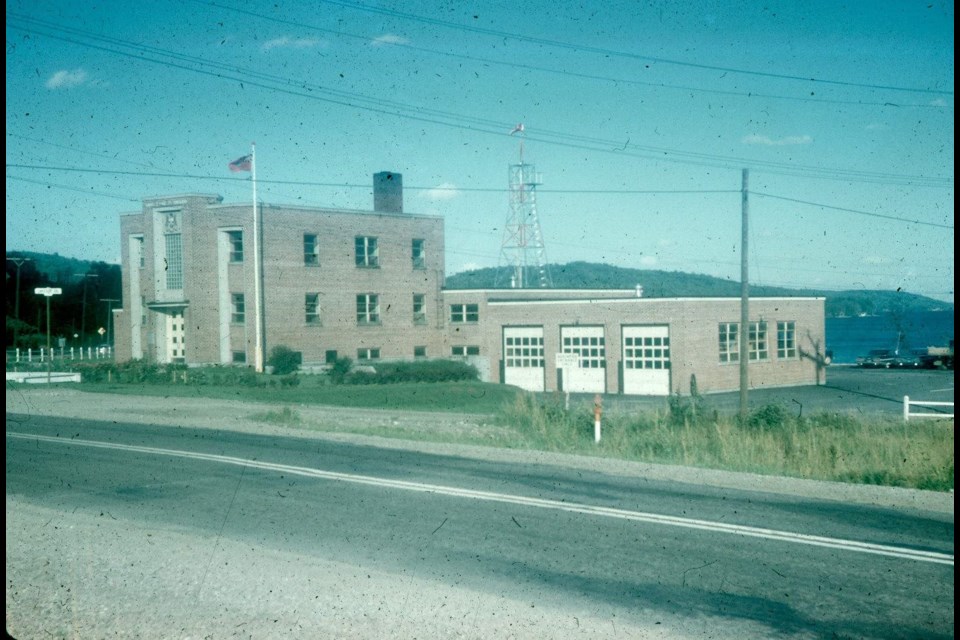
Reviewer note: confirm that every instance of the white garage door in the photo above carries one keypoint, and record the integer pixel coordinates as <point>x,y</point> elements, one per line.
<point>590,376</point>
<point>646,361</point>
<point>523,357</point>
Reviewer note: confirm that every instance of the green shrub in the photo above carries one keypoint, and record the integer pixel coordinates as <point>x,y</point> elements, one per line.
<point>284,360</point>
<point>340,369</point>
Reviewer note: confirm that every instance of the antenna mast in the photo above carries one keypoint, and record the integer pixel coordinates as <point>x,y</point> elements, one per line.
<point>522,246</point>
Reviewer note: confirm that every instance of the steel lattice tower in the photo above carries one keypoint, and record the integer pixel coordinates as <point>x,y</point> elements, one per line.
<point>522,247</point>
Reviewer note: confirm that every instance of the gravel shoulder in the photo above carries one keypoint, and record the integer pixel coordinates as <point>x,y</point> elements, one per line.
<point>337,423</point>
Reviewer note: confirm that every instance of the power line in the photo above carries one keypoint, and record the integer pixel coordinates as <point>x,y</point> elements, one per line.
<point>572,74</point>
<point>484,126</point>
<point>857,211</point>
<point>623,54</point>
<point>466,189</point>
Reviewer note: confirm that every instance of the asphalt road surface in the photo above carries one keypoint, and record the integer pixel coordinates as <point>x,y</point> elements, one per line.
<point>129,530</point>
<point>845,389</point>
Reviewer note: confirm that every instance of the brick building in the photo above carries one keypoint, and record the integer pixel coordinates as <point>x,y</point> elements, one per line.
<point>369,285</point>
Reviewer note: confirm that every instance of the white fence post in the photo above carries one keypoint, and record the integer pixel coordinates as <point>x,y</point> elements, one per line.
<point>906,408</point>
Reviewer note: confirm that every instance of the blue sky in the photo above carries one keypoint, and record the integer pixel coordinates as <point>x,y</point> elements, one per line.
<point>639,116</point>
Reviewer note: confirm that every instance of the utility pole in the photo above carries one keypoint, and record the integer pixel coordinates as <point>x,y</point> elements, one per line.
<point>109,302</point>
<point>744,301</point>
<point>48,292</point>
<point>16,303</point>
<point>83,309</point>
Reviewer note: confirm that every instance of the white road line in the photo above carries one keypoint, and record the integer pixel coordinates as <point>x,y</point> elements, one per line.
<point>572,507</point>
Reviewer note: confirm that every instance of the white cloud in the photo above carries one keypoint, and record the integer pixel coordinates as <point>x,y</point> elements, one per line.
<point>291,43</point>
<point>389,38</point>
<point>876,126</point>
<point>444,191</point>
<point>875,260</point>
<point>939,102</point>
<point>469,266</point>
<point>755,138</point>
<point>67,79</point>
<point>648,261</point>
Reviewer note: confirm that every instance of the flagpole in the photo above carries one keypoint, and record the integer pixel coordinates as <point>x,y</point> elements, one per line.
<point>257,311</point>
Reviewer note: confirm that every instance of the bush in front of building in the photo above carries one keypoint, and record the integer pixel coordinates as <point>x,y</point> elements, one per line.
<point>284,360</point>
<point>342,372</point>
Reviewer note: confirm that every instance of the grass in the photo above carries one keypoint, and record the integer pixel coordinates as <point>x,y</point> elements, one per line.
<point>850,448</point>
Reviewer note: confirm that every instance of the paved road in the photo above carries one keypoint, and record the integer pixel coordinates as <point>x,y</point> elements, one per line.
<point>130,529</point>
<point>866,391</point>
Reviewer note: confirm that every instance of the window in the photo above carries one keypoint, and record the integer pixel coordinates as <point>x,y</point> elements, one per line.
<point>367,253</point>
<point>592,350</point>
<point>419,257</point>
<point>368,308</point>
<point>330,356</point>
<point>235,238</point>
<point>461,350</point>
<point>311,250</point>
<point>139,256</point>
<point>646,352</point>
<point>239,309</point>
<point>239,357</point>
<point>174,257</point>
<point>757,341</point>
<point>367,354</point>
<point>419,308</point>
<point>464,313</point>
<point>786,340</point>
<point>312,308</point>
<point>524,351</point>
<point>729,342</point>
<point>419,352</point>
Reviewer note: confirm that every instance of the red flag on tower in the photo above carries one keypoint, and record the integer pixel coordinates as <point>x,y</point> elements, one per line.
<point>241,164</point>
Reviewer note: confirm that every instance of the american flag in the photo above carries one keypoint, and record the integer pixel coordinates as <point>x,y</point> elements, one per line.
<point>241,164</point>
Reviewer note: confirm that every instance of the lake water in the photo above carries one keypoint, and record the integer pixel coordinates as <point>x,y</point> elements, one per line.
<point>850,338</point>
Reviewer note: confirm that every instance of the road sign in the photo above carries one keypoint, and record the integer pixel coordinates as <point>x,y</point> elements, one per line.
<point>101,331</point>
<point>568,361</point>
<point>47,291</point>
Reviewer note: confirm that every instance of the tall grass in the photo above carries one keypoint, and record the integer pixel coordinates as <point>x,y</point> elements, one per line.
<point>824,446</point>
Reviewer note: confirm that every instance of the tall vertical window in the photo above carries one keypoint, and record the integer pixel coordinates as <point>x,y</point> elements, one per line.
<point>464,313</point>
<point>235,238</point>
<point>418,254</point>
<point>729,342</point>
<point>419,308</point>
<point>239,309</point>
<point>786,340</point>
<point>139,258</point>
<point>311,250</point>
<point>312,308</point>
<point>368,255</point>
<point>368,308</point>
<point>174,255</point>
<point>757,337</point>
<point>368,353</point>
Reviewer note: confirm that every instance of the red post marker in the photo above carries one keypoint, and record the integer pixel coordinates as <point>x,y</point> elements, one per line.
<point>597,412</point>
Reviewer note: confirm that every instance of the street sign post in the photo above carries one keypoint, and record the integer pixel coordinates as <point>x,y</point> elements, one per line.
<point>48,292</point>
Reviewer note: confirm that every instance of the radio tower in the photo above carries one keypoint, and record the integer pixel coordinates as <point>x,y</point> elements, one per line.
<point>522,247</point>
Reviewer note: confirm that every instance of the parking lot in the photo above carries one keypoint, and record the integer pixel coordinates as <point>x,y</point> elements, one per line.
<point>847,388</point>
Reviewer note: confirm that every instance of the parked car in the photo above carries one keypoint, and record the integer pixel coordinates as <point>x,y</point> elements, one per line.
<point>878,359</point>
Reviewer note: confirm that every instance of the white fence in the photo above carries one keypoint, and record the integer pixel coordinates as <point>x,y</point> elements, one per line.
<point>18,356</point>
<point>907,414</point>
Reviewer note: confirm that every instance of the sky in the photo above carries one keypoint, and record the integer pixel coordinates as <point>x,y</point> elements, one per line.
<point>641,118</point>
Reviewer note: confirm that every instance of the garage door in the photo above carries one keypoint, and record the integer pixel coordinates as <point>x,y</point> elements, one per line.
<point>646,360</point>
<point>590,376</point>
<point>523,357</point>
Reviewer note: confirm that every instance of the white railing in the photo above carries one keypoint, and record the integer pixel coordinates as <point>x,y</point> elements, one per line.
<point>17,356</point>
<point>907,414</point>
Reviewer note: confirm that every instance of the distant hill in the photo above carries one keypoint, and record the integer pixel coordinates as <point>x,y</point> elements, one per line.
<point>671,284</point>
<point>89,290</point>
